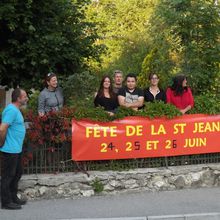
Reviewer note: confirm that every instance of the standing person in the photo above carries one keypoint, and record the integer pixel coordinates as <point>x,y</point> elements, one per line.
<point>12,133</point>
<point>118,80</point>
<point>105,96</point>
<point>51,97</point>
<point>130,96</point>
<point>180,95</point>
<point>153,92</point>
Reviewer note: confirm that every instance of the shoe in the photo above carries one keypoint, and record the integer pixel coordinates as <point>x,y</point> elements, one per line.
<point>18,201</point>
<point>11,206</point>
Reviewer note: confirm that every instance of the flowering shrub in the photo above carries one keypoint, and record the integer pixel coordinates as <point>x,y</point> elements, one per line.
<point>54,127</point>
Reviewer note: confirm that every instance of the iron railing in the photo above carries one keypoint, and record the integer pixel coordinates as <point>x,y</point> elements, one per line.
<point>53,158</point>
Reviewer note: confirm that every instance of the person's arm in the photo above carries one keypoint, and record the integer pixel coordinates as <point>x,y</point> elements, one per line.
<point>191,102</point>
<point>41,104</point>
<point>121,100</point>
<point>139,103</point>
<point>3,131</point>
<point>134,105</point>
<point>183,111</point>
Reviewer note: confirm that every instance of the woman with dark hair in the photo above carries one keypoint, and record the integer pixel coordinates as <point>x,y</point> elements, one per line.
<point>51,97</point>
<point>153,92</point>
<point>105,96</point>
<point>180,95</point>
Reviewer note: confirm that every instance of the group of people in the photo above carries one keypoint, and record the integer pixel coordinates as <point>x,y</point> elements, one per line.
<point>121,92</point>
<point>111,95</point>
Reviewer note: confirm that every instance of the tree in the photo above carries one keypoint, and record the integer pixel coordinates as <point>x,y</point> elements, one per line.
<point>123,28</point>
<point>41,36</point>
<point>189,31</point>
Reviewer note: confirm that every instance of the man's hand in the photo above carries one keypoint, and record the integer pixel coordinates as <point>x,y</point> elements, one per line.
<point>3,131</point>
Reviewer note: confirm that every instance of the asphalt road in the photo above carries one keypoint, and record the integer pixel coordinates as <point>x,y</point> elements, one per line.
<point>140,204</point>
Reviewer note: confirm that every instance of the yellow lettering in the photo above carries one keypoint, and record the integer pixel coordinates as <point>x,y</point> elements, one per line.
<point>160,130</point>
<point>179,128</point>
<point>88,131</point>
<point>202,127</point>
<point>134,130</point>
<point>195,142</point>
<point>152,145</point>
<point>102,131</point>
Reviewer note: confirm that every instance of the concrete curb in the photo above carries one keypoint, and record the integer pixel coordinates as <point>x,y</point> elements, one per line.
<point>203,216</point>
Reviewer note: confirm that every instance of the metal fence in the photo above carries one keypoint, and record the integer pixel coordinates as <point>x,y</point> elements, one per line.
<point>54,158</point>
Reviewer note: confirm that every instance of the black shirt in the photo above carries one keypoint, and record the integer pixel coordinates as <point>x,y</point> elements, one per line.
<point>109,104</point>
<point>149,97</point>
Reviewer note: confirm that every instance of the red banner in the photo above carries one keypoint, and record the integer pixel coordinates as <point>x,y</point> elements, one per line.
<point>140,137</point>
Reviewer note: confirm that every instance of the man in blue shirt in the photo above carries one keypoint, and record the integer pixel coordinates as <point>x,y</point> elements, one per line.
<point>12,133</point>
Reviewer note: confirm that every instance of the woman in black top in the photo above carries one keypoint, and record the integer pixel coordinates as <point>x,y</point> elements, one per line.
<point>153,92</point>
<point>105,96</point>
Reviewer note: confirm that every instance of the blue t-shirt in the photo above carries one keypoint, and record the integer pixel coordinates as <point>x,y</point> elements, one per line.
<point>16,130</point>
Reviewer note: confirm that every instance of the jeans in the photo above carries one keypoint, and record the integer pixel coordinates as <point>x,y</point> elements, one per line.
<point>11,172</point>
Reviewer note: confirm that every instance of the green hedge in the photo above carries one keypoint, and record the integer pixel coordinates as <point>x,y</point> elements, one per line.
<point>204,104</point>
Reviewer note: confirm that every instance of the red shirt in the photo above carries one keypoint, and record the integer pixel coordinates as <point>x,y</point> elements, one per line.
<point>180,101</point>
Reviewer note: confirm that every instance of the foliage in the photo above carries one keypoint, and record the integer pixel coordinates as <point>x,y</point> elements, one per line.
<point>51,128</point>
<point>122,26</point>
<point>159,109</point>
<point>151,110</point>
<point>95,114</point>
<point>97,185</point>
<point>152,64</point>
<point>41,36</point>
<point>188,30</point>
<point>79,87</point>
<point>206,104</point>
<point>33,101</point>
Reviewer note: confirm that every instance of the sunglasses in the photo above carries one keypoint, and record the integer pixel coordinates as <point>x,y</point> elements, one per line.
<point>49,74</point>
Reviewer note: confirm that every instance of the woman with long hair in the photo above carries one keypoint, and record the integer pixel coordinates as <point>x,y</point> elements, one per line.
<point>180,95</point>
<point>105,96</point>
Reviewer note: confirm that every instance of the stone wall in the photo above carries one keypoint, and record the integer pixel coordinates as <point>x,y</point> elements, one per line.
<point>111,182</point>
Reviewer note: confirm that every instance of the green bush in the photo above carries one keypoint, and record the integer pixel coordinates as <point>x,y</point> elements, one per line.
<point>79,88</point>
<point>206,104</point>
<point>33,101</point>
<point>151,110</point>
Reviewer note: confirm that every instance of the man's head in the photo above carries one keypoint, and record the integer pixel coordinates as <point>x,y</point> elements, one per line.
<point>19,97</point>
<point>118,78</point>
<point>131,81</point>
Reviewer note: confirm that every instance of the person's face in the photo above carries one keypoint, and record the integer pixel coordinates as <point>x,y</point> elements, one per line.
<point>154,80</point>
<point>184,83</point>
<point>131,83</point>
<point>118,79</point>
<point>106,83</point>
<point>23,99</point>
<point>53,82</point>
